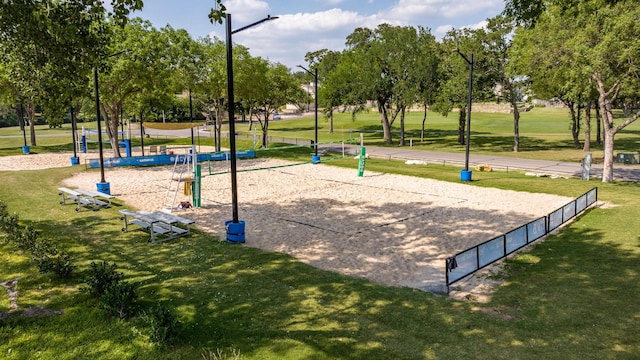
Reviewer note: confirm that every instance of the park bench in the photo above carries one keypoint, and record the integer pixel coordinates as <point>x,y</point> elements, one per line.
<point>627,159</point>
<point>85,198</point>
<point>159,225</point>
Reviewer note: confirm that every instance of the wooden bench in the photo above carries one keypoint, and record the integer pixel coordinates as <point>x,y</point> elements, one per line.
<point>160,226</point>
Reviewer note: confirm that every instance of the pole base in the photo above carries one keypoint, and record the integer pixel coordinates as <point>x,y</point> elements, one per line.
<point>315,159</point>
<point>26,149</point>
<point>235,231</point>
<point>465,175</point>
<point>75,160</point>
<point>104,187</point>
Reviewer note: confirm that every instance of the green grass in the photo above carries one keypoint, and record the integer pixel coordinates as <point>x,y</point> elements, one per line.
<point>544,134</point>
<point>573,296</point>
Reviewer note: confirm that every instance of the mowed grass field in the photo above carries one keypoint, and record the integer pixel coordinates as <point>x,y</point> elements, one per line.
<point>544,134</point>
<point>573,295</point>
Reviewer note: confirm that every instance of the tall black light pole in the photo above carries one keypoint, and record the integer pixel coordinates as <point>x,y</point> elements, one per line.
<point>316,158</point>
<point>467,174</point>
<point>103,184</point>
<point>235,228</point>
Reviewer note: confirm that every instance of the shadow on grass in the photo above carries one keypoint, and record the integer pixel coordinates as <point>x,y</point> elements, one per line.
<point>272,305</point>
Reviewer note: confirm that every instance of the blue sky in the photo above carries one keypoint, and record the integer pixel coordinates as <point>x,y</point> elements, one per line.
<point>310,25</point>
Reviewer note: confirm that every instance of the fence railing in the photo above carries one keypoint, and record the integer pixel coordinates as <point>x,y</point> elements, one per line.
<point>475,258</point>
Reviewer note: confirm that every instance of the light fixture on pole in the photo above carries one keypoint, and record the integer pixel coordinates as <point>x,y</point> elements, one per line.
<point>235,227</point>
<point>465,175</point>
<point>316,158</point>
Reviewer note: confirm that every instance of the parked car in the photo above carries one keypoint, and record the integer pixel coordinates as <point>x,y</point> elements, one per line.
<point>277,116</point>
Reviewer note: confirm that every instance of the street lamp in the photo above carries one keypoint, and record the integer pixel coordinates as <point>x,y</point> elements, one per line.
<point>465,175</point>
<point>235,227</point>
<point>315,159</point>
<point>102,186</point>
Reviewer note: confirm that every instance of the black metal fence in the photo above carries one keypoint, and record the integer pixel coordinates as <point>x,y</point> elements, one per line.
<point>473,259</point>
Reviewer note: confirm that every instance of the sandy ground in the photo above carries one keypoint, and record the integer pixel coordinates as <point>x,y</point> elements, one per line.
<point>391,229</point>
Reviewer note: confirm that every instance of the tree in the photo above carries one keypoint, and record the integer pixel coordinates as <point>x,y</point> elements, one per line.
<point>329,96</point>
<point>269,92</point>
<point>606,44</point>
<point>139,61</point>
<point>387,60</point>
<point>454,74</point>
<point>497,43</point>
<point>540,54</point>
<point>427,67</point>
<point>50,47</point>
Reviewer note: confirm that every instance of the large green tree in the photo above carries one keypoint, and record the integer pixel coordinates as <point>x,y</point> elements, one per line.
<point>454,74</point>
<point>605,44</point>
<point>386,66</point>
<point>50,47</point>
<point>540,55</point>
<point>138,61</point>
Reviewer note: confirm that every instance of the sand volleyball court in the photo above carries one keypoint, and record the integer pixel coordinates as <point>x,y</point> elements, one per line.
<point>392,229</point>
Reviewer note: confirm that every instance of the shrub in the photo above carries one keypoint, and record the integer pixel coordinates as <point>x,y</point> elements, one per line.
<point>220,355</point>
<point>164,324</point>
<point>27,240</point>
<point>8,222</point>
<point>119,299</point>
<point>100,276</point>
<point>58,262</point>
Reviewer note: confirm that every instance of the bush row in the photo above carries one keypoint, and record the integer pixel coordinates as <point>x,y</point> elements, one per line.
<point>102,281</point>
<point>47,256</point>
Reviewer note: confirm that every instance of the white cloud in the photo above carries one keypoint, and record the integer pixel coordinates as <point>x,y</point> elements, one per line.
<point>289,38</point>
<point>244,11</point>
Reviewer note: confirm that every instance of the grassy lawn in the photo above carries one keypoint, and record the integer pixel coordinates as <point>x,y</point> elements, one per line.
<point>544,134</point>
<point>572,296</point>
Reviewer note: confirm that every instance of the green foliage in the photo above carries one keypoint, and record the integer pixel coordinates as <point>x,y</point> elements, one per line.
<point>164,324</point>
<point>57,262</point>
<point>8,222</point>
<point>48,258</point>
<point>100,276</point>
<point>119,299</point>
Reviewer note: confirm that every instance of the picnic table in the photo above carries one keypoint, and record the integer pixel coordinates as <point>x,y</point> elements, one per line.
<point>85,198</point>
<point>626,158</point>
<point>160,226</point>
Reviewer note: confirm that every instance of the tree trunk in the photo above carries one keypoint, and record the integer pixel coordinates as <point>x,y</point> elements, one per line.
<point>384,119</point>
<point>575,126</point>
<point>331,121</point>
<point>606,110</point>
<point>516,121</point>
<point>424,121</point>
<point>111,124</point>
<point>462,120</point>
<point>217,126</point>
<point>265,131</point>
<point>31,115</point>
<point>587,127</point>
<point>598,126</point>
<point>402,113</point>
